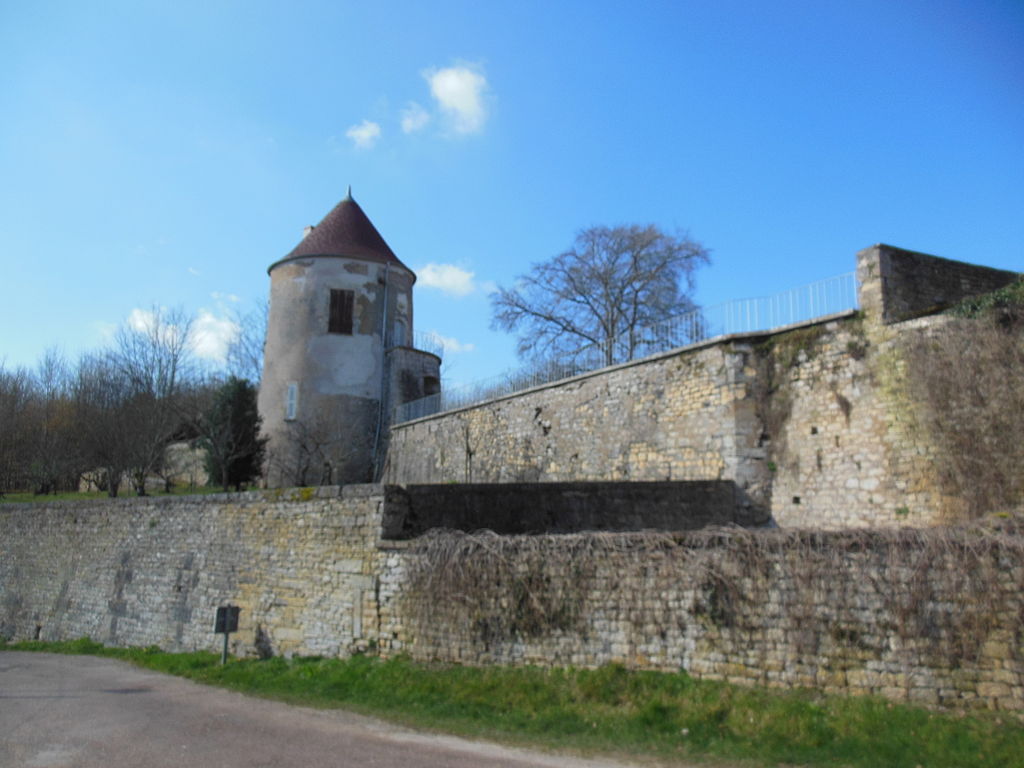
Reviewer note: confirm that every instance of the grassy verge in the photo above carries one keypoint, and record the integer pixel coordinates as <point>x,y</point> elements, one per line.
<point>670,717</point>
<point>27,497</point>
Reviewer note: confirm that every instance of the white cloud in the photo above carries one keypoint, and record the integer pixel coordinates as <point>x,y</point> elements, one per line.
<point>194,271</point>
<point>459,93</point>
<point>209,335</point>
<point>141,320</point>
<point>218,296</point>
<point>212,335</point>
<point>364,135</point>
<point>453,346</point>
<point>414,117</point>
<point>157,321</point>
<point>447,278</point>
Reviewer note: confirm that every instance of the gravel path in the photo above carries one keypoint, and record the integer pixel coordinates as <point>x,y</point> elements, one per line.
<point>61,711</point>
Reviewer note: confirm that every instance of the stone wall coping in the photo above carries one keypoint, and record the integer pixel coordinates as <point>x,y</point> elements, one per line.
<point>129,500</point>
<point>361,491</point>
<point>725,338</point>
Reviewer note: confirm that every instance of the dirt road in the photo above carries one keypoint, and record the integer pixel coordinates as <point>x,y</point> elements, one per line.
<point>87,712</point>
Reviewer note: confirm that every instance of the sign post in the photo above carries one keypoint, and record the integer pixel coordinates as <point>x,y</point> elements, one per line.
<point>226,623</point>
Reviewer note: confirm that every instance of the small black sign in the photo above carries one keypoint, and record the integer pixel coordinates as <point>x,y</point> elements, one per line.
<point>227,619</point>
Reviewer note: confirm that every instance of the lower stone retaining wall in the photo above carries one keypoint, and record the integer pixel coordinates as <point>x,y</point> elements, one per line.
<point>153,571</point>
<point>932,616</point>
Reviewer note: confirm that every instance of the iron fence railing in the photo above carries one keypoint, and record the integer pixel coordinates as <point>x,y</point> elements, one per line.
<point>428,342</point>
<point>422,340</point>
<point>825,297</point>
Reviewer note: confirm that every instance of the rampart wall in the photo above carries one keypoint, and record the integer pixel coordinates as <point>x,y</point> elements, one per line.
<point>678,416</point>
<point>897,284</point>
<point>810,423</point>
<point>152,571</point>
<point>314,574</point>
<point>930,620</point>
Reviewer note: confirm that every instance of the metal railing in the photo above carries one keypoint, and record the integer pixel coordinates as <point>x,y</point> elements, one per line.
<point>825,297</point>
<point>428,342</point>
<point>421,340</point>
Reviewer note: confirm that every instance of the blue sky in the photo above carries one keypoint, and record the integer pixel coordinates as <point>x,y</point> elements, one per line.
<point>164,154</point>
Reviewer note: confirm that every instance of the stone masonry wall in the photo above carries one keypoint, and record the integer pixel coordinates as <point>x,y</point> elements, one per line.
<point>153,571</point>
<point>810,424</point>
<point>844,615</point>
<point>842,444</point>
<point>897,284</point>
<point>313,576</point>
<point>685,415</point>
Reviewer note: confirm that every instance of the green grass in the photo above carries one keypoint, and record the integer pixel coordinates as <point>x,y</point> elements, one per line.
<point>27,497</point>
<point>612,711</point>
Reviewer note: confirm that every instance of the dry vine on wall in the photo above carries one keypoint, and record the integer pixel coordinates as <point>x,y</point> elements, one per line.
<point>967,379</point>
<point>934,594</point>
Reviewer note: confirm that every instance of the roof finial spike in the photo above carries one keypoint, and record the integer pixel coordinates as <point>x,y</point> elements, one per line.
<point>348,195</point>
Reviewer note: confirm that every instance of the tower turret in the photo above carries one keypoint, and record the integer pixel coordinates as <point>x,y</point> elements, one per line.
<point>339,353</point>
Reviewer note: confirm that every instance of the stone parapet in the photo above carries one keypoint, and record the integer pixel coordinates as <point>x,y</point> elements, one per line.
<point>897,284</point>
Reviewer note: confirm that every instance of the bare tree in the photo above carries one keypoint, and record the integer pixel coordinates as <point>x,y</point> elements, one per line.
<point>601,292</point>
<point>127,399</point>
<point>54,461</point>
<point>102,396</point>
<point>154,357</point>
<point>38,449</point>
<point>245,353</point>
<point>317,454</point>
<point>15,396</point>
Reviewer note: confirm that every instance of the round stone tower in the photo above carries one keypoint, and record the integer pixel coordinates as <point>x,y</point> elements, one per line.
<point>339,354</point>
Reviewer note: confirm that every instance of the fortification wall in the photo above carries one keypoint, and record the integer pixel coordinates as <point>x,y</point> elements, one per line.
<point>905,618</point>
<point>301,564</point>
<point>152,571</point>
<point>931,621</point>
<point>686,415</point>
<point>808,424</point>
<point>897,284</point>
<point>812,424</point>
<point>843,446</point>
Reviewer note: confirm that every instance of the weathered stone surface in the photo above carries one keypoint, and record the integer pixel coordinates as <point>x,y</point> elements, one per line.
<point>811,425</point>
<point>153,571</point>
<point>315,576</point>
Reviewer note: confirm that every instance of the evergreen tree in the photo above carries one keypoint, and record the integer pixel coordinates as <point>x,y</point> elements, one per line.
<point>234,449</point>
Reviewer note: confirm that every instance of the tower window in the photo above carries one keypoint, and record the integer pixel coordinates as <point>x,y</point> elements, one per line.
<point>399,338</point>
<point>291,402</point>
<point>340,318</point>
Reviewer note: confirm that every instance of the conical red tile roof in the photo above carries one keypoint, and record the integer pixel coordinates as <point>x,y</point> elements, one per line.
<point>345,231</point>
